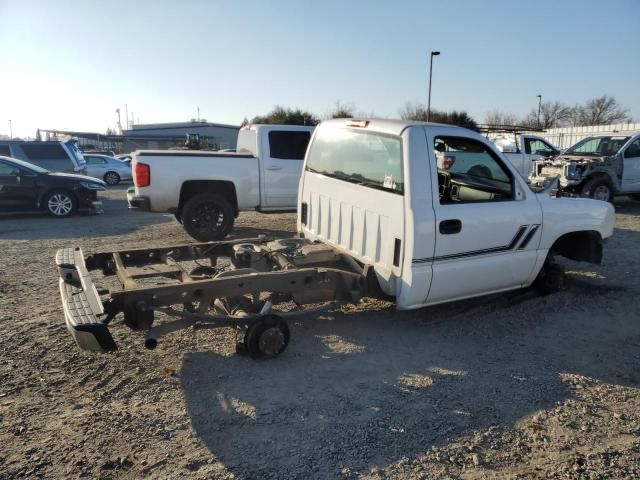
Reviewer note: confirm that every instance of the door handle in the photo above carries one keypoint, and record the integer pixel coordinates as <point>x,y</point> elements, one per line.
<point>274,168</point>
<point>449,227</point>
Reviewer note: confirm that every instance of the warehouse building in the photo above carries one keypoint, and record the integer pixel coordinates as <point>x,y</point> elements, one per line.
<point>165,135</point>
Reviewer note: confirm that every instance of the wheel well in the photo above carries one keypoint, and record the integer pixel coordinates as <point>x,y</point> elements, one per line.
<point>583,246</point>
<point>600,176</point>
<point>194,187</point>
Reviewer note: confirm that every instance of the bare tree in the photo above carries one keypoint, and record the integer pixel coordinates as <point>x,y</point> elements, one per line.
<point>552,115</point>
<point>340,110</point>
<point>413,111</point>
<point>603,110</point>
<point>497,117</point>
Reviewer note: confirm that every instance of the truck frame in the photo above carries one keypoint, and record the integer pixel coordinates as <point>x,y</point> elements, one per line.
<point>243,280</point>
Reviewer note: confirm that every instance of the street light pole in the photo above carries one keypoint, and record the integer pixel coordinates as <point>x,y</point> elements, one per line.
<point>430,74</point>
<point>539,105</point>
<point>10,130</point>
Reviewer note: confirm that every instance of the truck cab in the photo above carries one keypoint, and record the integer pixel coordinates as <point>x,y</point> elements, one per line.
<point>281,152</point>
<point>433,233</point>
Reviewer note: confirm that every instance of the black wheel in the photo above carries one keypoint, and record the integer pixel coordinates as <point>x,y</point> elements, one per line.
<point>599,189</point>
<point>60,203</point>
<point>635,196</point>
<point>207,217</point>
<point>111,178</point>
<point>266,337</point>
<point>551,279</point>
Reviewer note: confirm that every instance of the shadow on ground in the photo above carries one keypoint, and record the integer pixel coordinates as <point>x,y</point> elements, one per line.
<point>362,390</point>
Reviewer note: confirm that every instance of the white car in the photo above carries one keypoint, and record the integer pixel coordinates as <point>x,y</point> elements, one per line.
<point>107,168</point>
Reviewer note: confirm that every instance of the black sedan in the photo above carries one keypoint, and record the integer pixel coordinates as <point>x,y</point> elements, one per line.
<point>25,187</point>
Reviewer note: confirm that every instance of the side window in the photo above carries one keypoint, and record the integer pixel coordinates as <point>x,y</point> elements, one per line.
<point>533,145</point>
<point>94,160</point>
<point>633,150</point>
<point>469,171</point>
<point>288,145</point>
<point>44,151</point>
<point>8,170</point>
<point>5,151</point>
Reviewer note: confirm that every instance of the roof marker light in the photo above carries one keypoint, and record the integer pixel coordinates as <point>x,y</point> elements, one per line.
<point>358,123</point>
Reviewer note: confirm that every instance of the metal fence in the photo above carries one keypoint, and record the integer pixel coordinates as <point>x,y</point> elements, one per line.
<point>568,136</point>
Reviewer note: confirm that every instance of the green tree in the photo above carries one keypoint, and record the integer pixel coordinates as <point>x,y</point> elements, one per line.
<point>287,116</point>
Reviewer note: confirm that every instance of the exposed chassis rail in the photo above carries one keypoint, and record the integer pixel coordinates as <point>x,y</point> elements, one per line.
<point>234,294</point>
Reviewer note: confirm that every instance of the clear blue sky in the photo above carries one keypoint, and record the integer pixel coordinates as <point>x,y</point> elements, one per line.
<point>69,64</point>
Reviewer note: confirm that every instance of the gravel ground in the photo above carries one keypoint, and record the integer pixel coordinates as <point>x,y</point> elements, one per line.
<point>507,386</point>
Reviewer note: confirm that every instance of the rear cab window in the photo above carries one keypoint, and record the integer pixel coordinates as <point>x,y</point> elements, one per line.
<point>5,151</point>
<point>373,160</point>
<point>288,145</point>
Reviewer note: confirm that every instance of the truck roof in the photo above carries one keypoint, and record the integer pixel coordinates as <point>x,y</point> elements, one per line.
<point>383,125</point>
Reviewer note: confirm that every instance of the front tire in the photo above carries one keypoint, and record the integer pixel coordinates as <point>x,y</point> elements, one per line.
<point>111,178</point>
<point>208,217</point>
<point>598,189</point>
<point>60,203</point>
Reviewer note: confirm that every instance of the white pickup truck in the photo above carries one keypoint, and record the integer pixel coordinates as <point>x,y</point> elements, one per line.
<point>376,217</point>
<point>206,190</point>
<point>524,150</point>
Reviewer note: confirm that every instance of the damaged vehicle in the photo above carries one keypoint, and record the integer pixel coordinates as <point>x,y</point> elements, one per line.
<point>377,218</point>
<point>600,167</point>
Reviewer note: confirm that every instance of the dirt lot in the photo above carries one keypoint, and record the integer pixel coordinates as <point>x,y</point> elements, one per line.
<point>508,386</point>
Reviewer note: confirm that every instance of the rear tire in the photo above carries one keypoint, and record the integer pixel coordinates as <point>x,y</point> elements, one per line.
<point>111,178</point>
<point>208,217</point>
<point>60,203</point>
<point>598,189</point>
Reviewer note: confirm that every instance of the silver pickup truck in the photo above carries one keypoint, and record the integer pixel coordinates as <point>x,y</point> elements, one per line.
<point>599,167</point>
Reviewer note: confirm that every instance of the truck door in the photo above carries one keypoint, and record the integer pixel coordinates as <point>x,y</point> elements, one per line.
<point>17,189</point>
<point>535,149</point>
<point>282,166</point>
<point>488,223</point>
<point>631,167</point>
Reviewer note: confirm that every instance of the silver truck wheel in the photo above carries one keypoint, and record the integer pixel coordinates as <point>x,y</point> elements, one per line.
<point>598,189</point>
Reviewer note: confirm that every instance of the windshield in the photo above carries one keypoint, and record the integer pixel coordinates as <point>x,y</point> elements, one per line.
<point>599,146</point>
<point>369,159</point>
<point>28,166</point>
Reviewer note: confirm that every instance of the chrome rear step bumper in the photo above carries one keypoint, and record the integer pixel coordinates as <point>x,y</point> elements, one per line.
<point>81,303</point>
